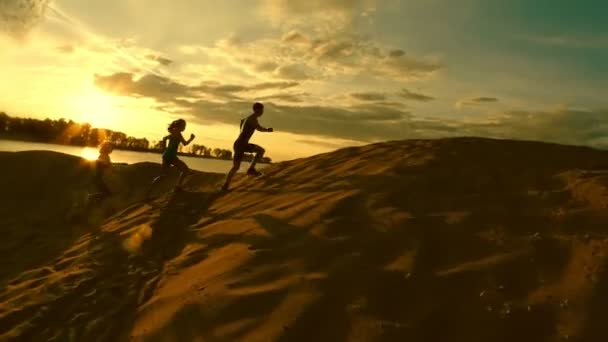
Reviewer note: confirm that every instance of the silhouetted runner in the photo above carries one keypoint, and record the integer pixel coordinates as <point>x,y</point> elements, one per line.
<point>242,145</point>
<point>102,164</point>
<point>170,158</point>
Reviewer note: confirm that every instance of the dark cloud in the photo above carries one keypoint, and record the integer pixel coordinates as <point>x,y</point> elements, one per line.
<point>324,144</point>
<point>328,55</point>
<point>265,66</point>
<point>67,49</point>
<point>163,89</point>
<point>366,122</point>
<point>396,53</point>
<point>358,53</point>
<point>409,95</point>
<point>293,98</point>
<point>475,101</point>
<point>307,7</point>
<point>371,96</point>
<point>391,104</point>
<point>335,49</point>
<point>484,99</point>
<point>159,88</point>
<point>161,60</point>
<point>294,72</point>
<point>18,17</point>
<point>295,37</point>
<point>274,85</point>
<point>568,126</point>
<point>407,68</point>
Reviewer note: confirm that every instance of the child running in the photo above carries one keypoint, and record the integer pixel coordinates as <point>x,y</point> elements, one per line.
<point>102,164</point>
<point>170,158</point>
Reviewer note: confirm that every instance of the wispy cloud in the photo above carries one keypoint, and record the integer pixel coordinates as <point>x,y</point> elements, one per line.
<point>18,17</point>
<point>322,56</point>
<point>409,95</point>
<point>369,96</point>
<point>324,14</point>
<point>475,101</point>
<point>161,60</point>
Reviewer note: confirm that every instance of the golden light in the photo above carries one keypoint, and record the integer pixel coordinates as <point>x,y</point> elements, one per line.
<point>97,108</point>
<point>89,153</point>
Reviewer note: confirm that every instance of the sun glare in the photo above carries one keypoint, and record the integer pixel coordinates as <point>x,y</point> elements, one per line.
<point>89,153</point>
<point>97,108</point>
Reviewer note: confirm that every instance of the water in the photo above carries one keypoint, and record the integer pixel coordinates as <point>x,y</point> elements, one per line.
<point>129,157</point>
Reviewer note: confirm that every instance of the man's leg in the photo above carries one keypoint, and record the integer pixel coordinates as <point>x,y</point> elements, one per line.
<point>236,165</point>
<point>259,153</point>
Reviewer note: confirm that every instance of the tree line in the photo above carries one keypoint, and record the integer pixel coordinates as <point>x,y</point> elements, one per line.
<point>68,132</point>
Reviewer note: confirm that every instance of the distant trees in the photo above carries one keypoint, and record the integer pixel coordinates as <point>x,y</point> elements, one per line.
<point>65,132</point>
<point>82,134</point>
<point>201,150</point>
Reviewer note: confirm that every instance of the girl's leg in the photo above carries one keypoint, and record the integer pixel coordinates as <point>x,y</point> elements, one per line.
<point>185,171</point>
<point>101,186</point>
<point>163,173</point>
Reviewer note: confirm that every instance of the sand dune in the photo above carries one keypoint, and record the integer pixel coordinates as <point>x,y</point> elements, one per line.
<point>429,240</point>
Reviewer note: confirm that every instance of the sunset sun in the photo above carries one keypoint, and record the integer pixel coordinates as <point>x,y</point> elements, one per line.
<point>96,108</point>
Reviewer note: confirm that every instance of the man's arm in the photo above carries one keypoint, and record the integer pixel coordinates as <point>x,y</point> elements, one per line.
<point>261,128</point>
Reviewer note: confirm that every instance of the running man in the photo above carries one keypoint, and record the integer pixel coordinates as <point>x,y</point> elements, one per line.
<point>242,145</point>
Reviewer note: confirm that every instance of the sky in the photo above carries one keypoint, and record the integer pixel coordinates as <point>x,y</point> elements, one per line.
<point>331,73</point>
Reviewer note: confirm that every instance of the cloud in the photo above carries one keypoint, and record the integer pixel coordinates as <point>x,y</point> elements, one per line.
<point>406,94</point>
<point>161,60</point>
<point>67,49</point>
<point>396,53</point>
<point>316,13</point>
<point>267,66</point>
<point>484,100</point>
<point>295,71</point>
<point>391,104</point>
<point>290,98</point>
<point>564,125</point>
<point>475,101</point>
<point>157,87</point>
<point>371,96</point>
<point>163,89</point>
<point>368,121</point>
<point>295,37</point>
<point>408,68</point>
<point>325,143</point>
<point>212,102</point>
<point>18,17</point>
<point>322,56</point>
<point>274,85</point>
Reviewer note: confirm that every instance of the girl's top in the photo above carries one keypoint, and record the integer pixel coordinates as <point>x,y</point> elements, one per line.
<point>171,150</point>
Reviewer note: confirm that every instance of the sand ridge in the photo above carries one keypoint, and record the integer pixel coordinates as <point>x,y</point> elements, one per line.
<point>426,240</point>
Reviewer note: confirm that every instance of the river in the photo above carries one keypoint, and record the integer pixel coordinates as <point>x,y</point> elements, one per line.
<point>119,156</point>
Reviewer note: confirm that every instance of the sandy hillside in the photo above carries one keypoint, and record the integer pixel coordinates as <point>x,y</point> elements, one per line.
<point>441,240</point>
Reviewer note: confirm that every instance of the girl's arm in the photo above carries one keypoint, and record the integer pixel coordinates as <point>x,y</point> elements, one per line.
<point>165,138</point>
<point>184,141</point>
